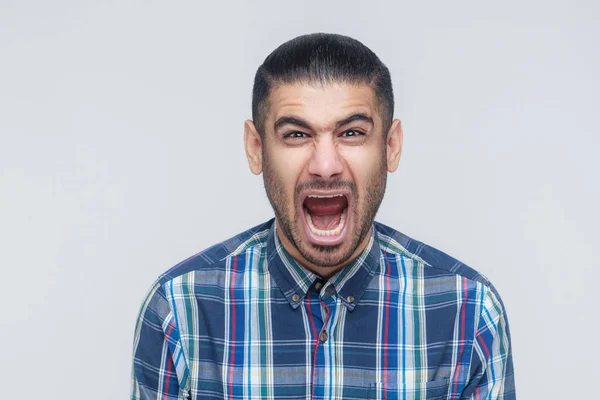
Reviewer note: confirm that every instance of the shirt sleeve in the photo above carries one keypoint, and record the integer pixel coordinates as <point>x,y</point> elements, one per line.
<point>159,368</point>
<point>493,375</point>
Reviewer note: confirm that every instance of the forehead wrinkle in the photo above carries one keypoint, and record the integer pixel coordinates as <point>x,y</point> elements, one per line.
<point>298,105</point>
<point>330,126</point>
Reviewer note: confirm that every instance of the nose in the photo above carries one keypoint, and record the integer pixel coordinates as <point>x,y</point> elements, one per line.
<point>325,160</point>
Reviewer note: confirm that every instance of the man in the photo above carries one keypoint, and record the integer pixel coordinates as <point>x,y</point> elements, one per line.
<point>322,302</point>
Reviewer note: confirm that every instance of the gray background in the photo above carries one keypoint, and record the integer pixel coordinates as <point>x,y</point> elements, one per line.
<point>121,154</point>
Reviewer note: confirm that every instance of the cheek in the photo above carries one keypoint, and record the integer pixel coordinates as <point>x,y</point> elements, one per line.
<point>362,162</point>
<point>289,166</point>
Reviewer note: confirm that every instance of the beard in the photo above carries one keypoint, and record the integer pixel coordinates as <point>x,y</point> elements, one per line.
<point>364,209</point>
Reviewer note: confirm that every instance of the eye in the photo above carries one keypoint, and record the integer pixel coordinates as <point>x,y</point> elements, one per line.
<point>352,133</point>
<point>295,135</point>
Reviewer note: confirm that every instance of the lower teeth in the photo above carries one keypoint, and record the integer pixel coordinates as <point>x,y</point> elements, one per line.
<point>320,232</point>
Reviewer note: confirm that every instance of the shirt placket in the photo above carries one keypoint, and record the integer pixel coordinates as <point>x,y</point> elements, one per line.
<point>322,359</point>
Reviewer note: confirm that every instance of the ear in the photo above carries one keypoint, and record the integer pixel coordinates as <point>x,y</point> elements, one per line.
<point>394,145</point>
<point>253,145</point>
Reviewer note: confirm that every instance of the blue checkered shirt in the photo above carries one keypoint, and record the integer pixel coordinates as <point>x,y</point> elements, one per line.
<point>243,320</point>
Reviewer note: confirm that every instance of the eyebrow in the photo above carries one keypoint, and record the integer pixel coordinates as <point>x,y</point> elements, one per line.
<point>291,120</point>
<point>353,118</point>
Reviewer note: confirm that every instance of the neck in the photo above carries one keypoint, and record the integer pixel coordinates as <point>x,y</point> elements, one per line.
<point>325,272</point>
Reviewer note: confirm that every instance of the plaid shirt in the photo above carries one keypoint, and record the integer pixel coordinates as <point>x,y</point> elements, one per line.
<point>243,320</point>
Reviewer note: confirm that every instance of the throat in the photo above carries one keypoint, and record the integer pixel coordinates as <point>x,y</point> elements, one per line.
<point>326,222</point>
<point>326,216</point>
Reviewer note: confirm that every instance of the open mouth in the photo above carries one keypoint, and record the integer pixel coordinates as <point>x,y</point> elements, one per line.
<point>325,217</point>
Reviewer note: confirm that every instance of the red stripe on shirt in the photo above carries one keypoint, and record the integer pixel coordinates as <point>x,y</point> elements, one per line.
<point>169,364</point>
<point>315,347</point>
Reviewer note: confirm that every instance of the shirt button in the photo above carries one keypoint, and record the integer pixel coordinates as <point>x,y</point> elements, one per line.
<point>318,285</point>
<point>295,298</point>
<point>323,336</point>
<point>350,299</point>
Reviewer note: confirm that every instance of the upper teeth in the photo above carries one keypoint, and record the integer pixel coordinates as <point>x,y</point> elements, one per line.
<point>325,196</point>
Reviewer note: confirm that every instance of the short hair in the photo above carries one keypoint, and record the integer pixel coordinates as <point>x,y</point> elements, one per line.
<point>323,58</point>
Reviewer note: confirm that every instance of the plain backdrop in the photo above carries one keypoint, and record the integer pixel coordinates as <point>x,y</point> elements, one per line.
<point>121,154</point>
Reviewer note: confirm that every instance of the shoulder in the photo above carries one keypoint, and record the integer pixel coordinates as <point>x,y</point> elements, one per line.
<point>435,265</point>
<point>216,255</point>
<point>431,259</point>
<point>157,301</point>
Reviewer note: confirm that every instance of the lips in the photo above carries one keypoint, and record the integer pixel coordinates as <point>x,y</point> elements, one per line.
<point>325,216</point>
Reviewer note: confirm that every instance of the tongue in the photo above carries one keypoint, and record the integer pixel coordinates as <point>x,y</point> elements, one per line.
<point>326,212</point>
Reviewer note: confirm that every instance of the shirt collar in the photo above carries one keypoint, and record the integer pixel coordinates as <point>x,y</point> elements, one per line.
<point>349,283</point>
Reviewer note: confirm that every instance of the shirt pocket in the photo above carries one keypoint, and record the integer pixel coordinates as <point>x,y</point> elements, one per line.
<point>431,390</point>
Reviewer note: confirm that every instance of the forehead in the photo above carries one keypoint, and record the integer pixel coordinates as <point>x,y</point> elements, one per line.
<point>322,105</point>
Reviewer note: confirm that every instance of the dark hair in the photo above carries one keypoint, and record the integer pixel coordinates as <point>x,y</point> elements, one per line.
<point>323,58</point>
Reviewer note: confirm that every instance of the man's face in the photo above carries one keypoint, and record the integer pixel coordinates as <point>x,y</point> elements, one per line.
<point>324,167</point>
